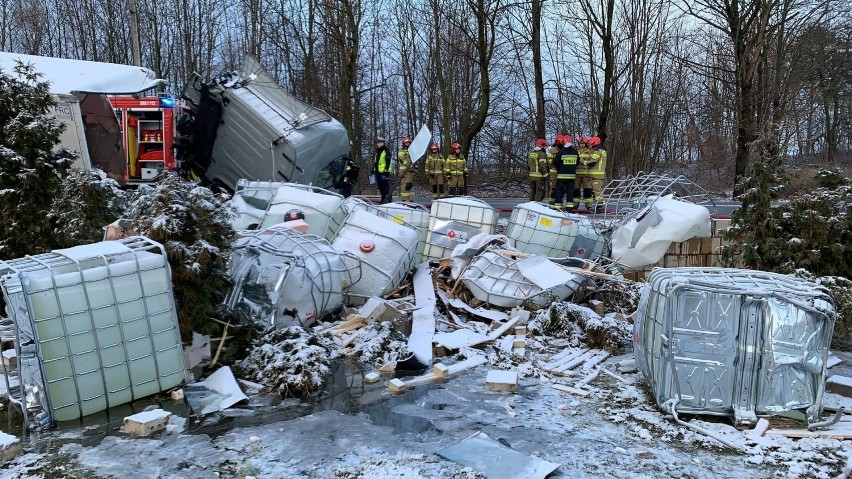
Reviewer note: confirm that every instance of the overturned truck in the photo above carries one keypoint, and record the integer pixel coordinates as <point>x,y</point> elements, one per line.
<point>244,125</point>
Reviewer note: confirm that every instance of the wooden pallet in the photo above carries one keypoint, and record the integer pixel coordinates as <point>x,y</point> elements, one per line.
<point>572,360</point>
<point>840,430</point>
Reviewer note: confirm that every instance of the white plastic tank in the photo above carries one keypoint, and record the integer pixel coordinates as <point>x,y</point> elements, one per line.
<point>536,229</point>
<point>412,213</point>
<point>385,250</point>
<point>271,201</point>
<point>454,221</point>
<point>96,326</point>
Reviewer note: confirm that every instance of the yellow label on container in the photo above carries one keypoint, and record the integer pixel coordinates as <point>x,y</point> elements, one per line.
<point>546,221</point>
<point>398,219</point>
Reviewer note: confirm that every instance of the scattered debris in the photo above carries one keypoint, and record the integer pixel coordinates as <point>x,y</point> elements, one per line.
<point>397,385</point>
<point>840,385</point>
<point>502,381</point>
<point>10,447</point>
<point>583,326</point>
<point>381,343</point>
<point>146,423</point>
<point>217,392</point>
<point>496,460</point>
<point>372,377</point>
<point>423,320</point>
<point>198,351</point>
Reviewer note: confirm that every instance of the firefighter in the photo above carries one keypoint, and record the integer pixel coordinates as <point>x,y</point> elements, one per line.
<point>348,176</point>
<point>435,170</point>
<point>566,170</point>
<point>551,178</point>
<point>538,170</point>
<point>583,183</point>
<point>597,170</point>
<point>457,170</point>
<point>382,169</point>
<point>405,170</point>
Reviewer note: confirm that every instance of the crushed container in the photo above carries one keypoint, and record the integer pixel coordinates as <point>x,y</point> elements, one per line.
<point>733,342</point>
<point>94,326</point>
<point>383,249</point>
<point>454,221</point>
<point>261,204</point>
<point>536,229</point>
<point>285,278</point>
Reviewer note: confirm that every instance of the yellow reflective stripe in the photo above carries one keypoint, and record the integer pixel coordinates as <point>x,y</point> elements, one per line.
<point>564,177</point>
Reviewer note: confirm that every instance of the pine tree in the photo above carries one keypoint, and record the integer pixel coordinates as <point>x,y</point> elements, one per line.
<point>30,169</point>
<point>193,224</point>
<point>85,204</point>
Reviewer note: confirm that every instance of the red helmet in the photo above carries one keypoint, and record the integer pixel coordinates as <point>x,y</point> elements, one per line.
<point>558,140</point>
<point>405,140</point>
<point>455,146</point>
<point>583,139</point>
<point>541,143</point>
<point>594,141</point>
<point>567,139</point>
<point>434,147</point>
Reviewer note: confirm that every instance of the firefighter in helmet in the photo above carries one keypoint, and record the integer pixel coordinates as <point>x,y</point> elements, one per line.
<point>566,171</point>
<point>583,185</point>
<point>597,170</point>
<point>382,170</point>
<point>551,178</point>
<point>435,166</point>
<point>538,170</point>
<point>405,170</point>
<point>457,170</point>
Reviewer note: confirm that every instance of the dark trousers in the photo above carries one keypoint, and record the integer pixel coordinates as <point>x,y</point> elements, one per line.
<point>346,190</point>
<point>564,190</point>
<point>383,182</point>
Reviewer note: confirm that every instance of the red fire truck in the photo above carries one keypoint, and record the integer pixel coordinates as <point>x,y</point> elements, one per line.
<point>148,132</point>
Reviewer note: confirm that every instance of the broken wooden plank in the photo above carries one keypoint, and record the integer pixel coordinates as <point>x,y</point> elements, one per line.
<point>397,385</point>
<point>502,329</point>
<point>578,360</point>
<point>558,357</point>
<point>616,375</point>
<point>442,370</point>
<point>759,429</point>
<point>832,361</point>
<point>502,381</point>
<point>146,423</point>
<point>836,431</point>
<point>839,385</point>
<point>595,360</point>
<point>372,377</point>
<point>563,359</point>
<point>10,447</point>
<point>589,378</point>
<point>568,389</point>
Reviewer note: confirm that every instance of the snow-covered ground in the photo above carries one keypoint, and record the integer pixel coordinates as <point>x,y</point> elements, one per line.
<point>365,432</point>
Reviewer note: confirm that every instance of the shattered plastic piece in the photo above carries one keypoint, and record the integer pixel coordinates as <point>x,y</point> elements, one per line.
<point>95,327</point>
<point>495,460</point>
<point>282,277</point>
<point>734,342</point>
<point>216,393</point>
<point>644,239</point>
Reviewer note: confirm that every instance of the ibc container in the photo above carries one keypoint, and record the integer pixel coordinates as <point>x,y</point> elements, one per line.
<point>286,278</point>
<point>95,327</point>
<point>537,229</point>
<point>322,208</point>
<point>412,213</point>
<point>454,221</point>
<point>383,249</point>
<point>733,342</point>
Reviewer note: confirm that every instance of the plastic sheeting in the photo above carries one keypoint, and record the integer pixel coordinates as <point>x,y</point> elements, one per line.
<point>644,239</point>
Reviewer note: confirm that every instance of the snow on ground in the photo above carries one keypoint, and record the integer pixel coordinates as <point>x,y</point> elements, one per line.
<point>615,432</point>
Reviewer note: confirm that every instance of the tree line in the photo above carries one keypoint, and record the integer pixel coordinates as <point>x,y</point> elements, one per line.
<point>685,87</point>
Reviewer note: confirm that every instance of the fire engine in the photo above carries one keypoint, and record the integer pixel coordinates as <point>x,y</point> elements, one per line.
<point>148,131</point>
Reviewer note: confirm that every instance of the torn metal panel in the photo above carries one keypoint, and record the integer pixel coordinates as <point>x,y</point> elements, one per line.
<point>95,327</point>
<point>216,393</point>
<point>507,282</point>
<point>262,204</point>
<point>285,278</point>
<point>734,342</point>
<point>496,461</point>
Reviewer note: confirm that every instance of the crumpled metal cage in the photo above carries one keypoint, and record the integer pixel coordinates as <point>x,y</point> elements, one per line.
<point>454,221</point>
<point>283,277</point>
<point>733,342</point>
<point>93,327</point>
